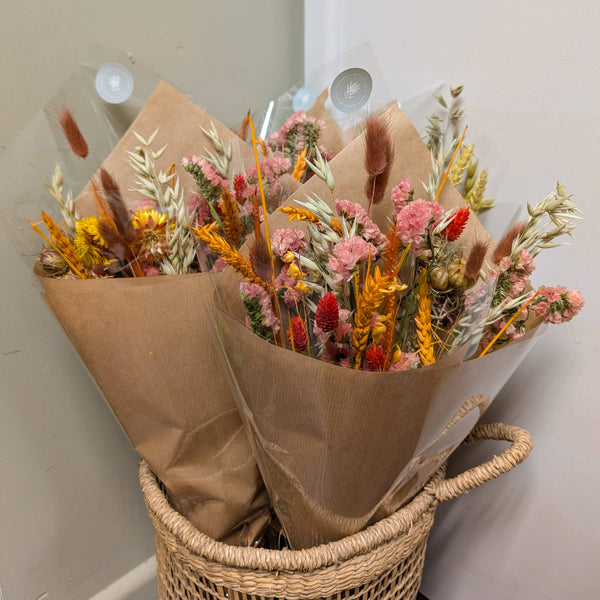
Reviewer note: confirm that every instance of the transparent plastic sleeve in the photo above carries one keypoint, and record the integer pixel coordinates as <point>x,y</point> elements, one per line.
<point>148,342</point>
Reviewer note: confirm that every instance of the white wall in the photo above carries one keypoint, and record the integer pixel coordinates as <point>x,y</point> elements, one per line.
<point>72,519</point>
<point>531,71</point>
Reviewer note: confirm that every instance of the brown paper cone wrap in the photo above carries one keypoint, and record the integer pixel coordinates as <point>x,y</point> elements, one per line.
<point>340,448</point>
<point>150,345</point>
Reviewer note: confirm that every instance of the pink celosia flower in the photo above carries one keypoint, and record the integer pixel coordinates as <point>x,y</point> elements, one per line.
<point>347,254</point>
<point>368,229</point>
<point>413,220</point>
<point>287,240</point>
<point>400,195</point>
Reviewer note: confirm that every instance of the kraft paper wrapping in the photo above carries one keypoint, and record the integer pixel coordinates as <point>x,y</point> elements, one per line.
<point>150,345</point>
<point>338,448</point>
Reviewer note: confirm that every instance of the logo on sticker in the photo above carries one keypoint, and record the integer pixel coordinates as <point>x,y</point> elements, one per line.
<point>351,89</point>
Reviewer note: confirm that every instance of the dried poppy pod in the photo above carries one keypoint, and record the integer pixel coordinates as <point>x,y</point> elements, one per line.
<point>456,274</point>
<point>439,279</point>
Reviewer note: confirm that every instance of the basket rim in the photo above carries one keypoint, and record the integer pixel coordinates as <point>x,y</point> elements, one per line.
<point>316,557</point>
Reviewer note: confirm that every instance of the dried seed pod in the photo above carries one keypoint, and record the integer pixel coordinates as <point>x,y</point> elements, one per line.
<point>438,278</point>
<point>456,274</point>
<point>53,262</point>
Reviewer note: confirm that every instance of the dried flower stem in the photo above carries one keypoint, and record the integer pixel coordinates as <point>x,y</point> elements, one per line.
<point>274,297</point>
<point>497,336</point>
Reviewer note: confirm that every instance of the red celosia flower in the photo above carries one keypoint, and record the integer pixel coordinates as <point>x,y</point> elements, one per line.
<point>456,226</point>
<point>375,357</point>
<point>327,316</point>
<point>298,332</point>
<point>239,185</point>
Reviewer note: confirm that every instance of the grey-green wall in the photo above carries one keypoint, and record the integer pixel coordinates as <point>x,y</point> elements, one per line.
<point>72,519</point>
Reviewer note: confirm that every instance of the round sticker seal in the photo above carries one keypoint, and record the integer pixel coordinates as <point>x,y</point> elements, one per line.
<point>351,89</point>
<point>114,83</point>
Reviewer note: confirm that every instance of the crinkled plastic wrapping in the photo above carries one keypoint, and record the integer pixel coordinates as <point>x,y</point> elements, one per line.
<point>340,448</point>
<point>148,342</point>
<point>340,94</point>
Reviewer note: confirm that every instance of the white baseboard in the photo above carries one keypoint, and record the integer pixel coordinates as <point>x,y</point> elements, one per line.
<point>137,584</point>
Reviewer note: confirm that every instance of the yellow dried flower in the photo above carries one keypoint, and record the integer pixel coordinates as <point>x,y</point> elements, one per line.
<point>89,242</point>
<point>289,257</point>
<point>295,272</point>
<point>302,287</point>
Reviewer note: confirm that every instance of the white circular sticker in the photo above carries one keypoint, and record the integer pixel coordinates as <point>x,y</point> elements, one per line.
<point>114,83</point>
<point>351,89</point>
<point>305,98</point>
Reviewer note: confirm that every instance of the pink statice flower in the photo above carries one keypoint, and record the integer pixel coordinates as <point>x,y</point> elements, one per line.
<point>288,240</point>
<point>347,254</point>
<point>413,220</point>
<point>400,195</point>
<point>367,229</point>
<point>558,304</point>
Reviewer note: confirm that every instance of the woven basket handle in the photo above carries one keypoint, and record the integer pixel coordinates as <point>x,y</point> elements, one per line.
<point>517,452</point>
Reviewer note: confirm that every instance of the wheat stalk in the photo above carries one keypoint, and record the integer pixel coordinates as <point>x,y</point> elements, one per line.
<point>461,164</point>
<point>237,261</point>
<point>423,322</point>
<point>375,289</point>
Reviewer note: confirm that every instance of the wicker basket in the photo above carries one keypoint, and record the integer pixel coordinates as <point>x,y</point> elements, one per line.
<point>382,562</point>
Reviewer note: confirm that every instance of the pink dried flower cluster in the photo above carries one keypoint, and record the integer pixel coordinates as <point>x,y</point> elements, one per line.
<point>347,254</point>
<point>514,277</point>
<point>208,170</point>
<point>400,195</point>
<point>297,122</point>
<point>413,221</point>
<point>291,295</point>
<point>558,304</point>
<point>271,168</point>
<point>368,230</point>
<point>253,290</point>
<point>336,344</point>
<point>288,240</point>
<point>198,209</point>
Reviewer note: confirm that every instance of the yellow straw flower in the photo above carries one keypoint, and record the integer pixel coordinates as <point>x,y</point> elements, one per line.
<point>89,242</point>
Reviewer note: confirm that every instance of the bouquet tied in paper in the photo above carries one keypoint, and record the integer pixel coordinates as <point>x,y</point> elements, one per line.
<point>345,440</point>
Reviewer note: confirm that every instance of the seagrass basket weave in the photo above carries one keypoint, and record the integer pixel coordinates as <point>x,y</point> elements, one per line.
<point>385,561</point>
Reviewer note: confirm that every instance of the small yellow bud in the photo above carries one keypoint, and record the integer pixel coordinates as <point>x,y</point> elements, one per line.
<point>289,257</point>
<point>295,272</point>
<point>303,288</point>
<point>378,332</point>
<point>397,355</point>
